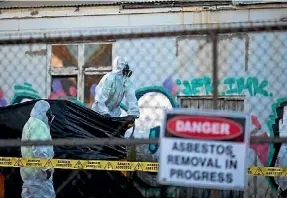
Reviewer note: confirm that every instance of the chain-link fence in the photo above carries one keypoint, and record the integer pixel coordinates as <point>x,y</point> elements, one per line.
<point>239,67</point>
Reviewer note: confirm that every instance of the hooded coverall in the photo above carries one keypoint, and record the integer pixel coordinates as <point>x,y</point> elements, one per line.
<point>36,183</point>
<point>111,90</point>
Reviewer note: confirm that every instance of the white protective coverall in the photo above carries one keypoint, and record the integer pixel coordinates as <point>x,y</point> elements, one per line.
<point>111,90</point>
<point>35,181</point>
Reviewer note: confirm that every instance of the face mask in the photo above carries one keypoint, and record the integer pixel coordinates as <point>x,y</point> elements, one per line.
<point>50,116</point>
<point>126,71</point>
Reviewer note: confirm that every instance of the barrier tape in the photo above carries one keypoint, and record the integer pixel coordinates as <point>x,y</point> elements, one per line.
<point>79,164</point>
<point>267,171</point>
<point>116,165</point>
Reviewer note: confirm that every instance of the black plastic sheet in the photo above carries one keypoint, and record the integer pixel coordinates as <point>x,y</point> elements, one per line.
<point>71,121</point>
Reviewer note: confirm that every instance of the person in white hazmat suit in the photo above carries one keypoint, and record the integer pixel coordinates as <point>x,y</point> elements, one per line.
<point>111,90</point>
<point>38,182</point>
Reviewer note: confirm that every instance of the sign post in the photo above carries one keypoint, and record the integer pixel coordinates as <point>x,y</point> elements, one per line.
<point>205,149</point>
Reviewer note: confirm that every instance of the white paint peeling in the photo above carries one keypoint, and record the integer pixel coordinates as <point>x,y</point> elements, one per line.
<point>116,10</point>
<point>139,20</point>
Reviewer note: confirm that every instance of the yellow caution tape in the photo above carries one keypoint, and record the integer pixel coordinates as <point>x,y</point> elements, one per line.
<point>267,171</point>
<point>79,164</point>
<point>116,165</point>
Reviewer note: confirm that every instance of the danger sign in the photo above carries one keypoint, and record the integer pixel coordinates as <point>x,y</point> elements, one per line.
<point>204,127</point>
<point>204,149</point>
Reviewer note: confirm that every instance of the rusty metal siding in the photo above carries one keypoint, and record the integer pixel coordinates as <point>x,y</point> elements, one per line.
<point>53,4</point>
<point>133,4</point>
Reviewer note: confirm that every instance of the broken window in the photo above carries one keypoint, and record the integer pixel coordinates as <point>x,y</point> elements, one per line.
<point>97,55</point>
<point>78,65</point>
<point>91,82</point>
<point>63,87</point>
<point>64,56</point>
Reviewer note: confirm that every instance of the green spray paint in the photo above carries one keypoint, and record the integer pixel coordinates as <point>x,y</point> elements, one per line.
<point>251,84</point>
<point>197,83</point>
<point>25,91</point>
<point>187,88</point>
<point>270,123</point>
<point>230,86</point>
<point>234,86</point>
<point>193,87</point>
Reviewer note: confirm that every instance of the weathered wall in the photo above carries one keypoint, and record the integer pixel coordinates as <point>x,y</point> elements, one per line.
<point>43,19</point>
<point>252,65</point>
<point>20,64</point>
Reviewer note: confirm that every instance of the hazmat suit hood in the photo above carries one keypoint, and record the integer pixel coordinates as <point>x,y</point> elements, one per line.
<point>118,65</point>
<point>113,87</point>
<point>37,182</point>
<point>39,111</point>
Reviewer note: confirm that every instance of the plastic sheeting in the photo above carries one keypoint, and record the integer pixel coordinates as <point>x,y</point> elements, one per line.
<point>71,120</point>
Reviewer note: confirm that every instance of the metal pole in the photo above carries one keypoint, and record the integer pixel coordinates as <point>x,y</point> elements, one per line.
<point>4,143</point>
<point>214,37</point>
<point>214,69</point>
<point>163,191</point>
<point>95,35</point>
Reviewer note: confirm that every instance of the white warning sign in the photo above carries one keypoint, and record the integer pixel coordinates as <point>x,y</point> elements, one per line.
<point>204,149</point>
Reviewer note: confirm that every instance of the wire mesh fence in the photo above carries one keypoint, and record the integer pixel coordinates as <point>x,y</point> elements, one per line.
<point>239,67</point>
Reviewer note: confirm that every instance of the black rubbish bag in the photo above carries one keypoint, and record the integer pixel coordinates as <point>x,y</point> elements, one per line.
<point>71,121</point>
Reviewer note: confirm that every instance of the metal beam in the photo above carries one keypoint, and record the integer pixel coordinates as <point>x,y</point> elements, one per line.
<point>114,141</point>
<point>201,30</point>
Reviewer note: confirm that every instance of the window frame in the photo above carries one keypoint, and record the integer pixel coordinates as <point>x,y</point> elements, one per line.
<point>80,71</point>
<point>69,67</point>
<point>101,67</point>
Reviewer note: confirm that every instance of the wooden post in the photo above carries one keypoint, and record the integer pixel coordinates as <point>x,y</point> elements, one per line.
<point>215,193</point>
<point>214,37</point>
<point>2,185</point>
<point>163,191</point>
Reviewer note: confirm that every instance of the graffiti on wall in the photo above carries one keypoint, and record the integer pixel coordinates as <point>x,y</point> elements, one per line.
<point>26,92</point>
<point>277,152</point>
<point>272,155</point>
<point>267,154</point>
<point>261,150</point>
<point>3,101</point>
<point>252,86</point>
<point>152,101</point>
<point>166,92</point>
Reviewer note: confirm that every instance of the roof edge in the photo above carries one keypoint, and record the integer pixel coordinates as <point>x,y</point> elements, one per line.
<point>125,4</point>
<point>6,5</point>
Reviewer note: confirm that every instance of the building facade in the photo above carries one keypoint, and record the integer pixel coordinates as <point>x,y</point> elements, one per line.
<point>252,66</point>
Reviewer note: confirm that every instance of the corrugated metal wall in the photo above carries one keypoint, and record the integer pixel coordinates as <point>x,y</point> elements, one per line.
<point>232,103</point>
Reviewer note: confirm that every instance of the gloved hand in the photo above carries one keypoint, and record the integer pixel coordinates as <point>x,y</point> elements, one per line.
<point>131,118</point>
<point>49,173</point>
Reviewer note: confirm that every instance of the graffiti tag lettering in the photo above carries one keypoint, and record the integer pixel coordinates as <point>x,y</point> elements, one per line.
<point>229,86</point>
<point>238,85</point>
